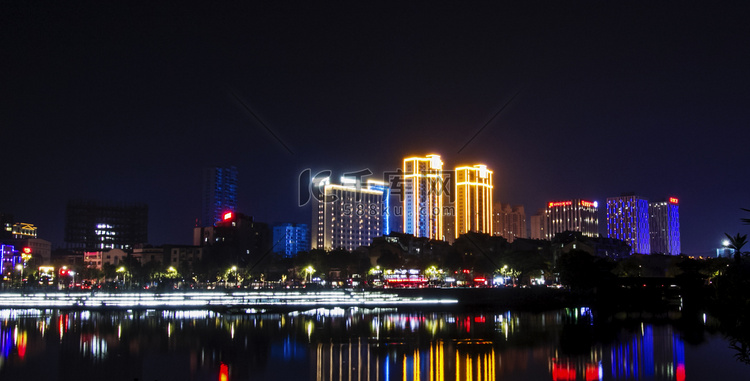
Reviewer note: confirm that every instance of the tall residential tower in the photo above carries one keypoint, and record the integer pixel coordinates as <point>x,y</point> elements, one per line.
<point>423,196</point>
<point>571,215</point>
<point>97,226</point>
<point>628,220</point>
<point>664,223</point>
<point>219,194</point>
<point>509,222</point>
<point>473,199</point>
<point>350,215</point>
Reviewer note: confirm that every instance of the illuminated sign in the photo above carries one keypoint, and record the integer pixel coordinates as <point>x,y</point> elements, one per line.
<point>589,204</point>
<point>228,216</point>
<point>673,200</point>
<point>27,250</point>
<point>560,203</point>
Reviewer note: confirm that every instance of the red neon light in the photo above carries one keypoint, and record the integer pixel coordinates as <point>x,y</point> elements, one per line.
<point>223,372</point>
<point>673,200</point>
<point>592,372</point>
<point>562,373</point>
<point>22,345</point>
<point>587,204</point>
<point>27,250</point>
<point>479,319</point>
<point>480,280</point>
<point>680,374</point>
<point>560,203</point>
<point>228,216</point>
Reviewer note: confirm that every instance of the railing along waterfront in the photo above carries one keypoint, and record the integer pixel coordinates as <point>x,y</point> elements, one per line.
<point>212,299</point>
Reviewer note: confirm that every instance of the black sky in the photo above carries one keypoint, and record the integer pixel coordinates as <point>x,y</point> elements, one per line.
<point>128,102</point>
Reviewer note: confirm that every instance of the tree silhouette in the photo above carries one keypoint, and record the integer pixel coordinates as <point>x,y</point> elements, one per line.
<point>736,243</point>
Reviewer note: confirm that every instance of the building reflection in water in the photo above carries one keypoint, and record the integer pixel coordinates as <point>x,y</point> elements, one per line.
<point>360,360</point>
<point>335,344</point>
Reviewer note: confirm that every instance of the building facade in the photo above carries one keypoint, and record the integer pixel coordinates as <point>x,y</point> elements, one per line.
<point>349,216</point>
<point>23,230</point>
<point>473,206</point>
<point>97,226</point>
<point>290,239</point>
<point>237,238</point>
<point>509,221</point>
<point>219,194</point>
<point>664,226</point>
<point>423,196</point>
<point>628,220</point>
<point>571,215</point>
<point>536,222</point>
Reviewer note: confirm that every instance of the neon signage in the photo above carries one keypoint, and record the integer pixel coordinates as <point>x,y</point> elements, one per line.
<point>589,204</point>
<point>228,216</point>
<point>673,200</point>
<point>560,203</point>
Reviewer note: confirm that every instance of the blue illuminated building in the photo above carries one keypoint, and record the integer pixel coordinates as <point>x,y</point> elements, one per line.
<point>386,205</point>
<point>628,220</point>
<point>290,239</point>
<point>9,257</point>
<point>219,194</point>
<point>664,222</point>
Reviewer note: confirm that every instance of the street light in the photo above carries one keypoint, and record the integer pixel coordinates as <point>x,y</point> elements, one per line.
<point>309,270</point>
<point>124,274</point>
<point>19,267</point>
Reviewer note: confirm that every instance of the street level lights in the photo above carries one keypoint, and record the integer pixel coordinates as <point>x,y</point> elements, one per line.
<point>124,275</point>
<point>19,267</point>
<point>309,270</point>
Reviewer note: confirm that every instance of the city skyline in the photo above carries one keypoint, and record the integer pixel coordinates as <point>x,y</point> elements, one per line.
<point>581,100</point>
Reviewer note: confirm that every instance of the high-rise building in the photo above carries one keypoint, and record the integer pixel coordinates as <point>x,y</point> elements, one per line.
<point>349,216</point>
<point>664,225</point>
<point>423,196</point>
<point>95,226</point>
<point>219,194</point>
<point>237,238</point>
<point>383,187</point>
<point>473,199</point>
<point>290,239</point>
<point>538,231</point>
<point>571,215</point>
<point>509,222</point>
<point>628,220</point>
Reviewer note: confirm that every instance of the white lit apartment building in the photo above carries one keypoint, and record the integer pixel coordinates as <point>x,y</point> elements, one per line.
<point>571,215</point>
<point>349,216</point>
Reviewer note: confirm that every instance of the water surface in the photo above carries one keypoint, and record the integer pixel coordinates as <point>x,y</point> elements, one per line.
<point>361,344</point>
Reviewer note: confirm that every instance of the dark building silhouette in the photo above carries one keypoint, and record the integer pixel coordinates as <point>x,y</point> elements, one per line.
<point>236,239</point>
<point>219,194</point>
<point>97,226</point>
<point>599,246</point>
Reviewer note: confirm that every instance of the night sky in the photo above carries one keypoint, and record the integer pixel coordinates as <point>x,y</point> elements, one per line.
<point>129,102</point>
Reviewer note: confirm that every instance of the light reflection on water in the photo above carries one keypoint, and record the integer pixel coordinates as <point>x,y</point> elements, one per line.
<point>337,344</point>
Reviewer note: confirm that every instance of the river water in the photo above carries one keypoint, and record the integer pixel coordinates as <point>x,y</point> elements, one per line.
<point>362,344</point>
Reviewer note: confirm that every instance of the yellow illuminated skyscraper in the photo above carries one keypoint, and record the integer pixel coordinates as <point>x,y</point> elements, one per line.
<point>423,196</point>
<point>473,200</point>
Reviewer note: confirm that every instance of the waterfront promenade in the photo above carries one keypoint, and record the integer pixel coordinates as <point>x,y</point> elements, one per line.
<point>216,300</point>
